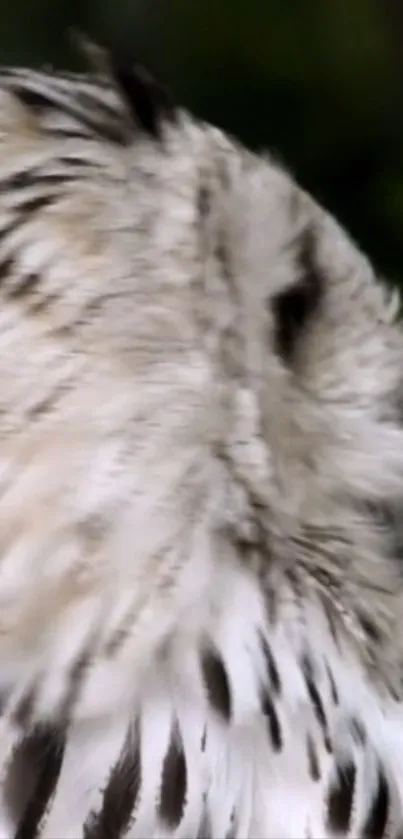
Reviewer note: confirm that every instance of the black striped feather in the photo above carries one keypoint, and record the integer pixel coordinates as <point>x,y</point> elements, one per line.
<point>120,795</point>
<point>41,753</point>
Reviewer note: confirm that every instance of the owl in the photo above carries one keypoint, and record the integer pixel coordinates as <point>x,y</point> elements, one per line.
<point>201,483</point>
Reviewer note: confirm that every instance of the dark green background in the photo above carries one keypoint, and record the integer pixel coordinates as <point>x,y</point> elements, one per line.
<point>317,81</point>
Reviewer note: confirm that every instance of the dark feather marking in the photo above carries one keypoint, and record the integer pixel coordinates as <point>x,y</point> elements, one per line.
<point>272,669</point>
<point>34,178</point>
<point>4,699</point>
<point>272,604</point>
<point>20,777</point>
<point>223,259</point>
<point>6,268</point>
<point>313,760</point>
<point>340,798</point>
<point>358,731</point>
<point>203,201</point>
<point>331,621</point>
<point>294,307</point>
<point>389,515</point>
<point>386,516</point>
<point>33,100</point>
<point>333,689</point>
<point>315,698</point>
<point>41,304</point>
<point>116,641</point>
<point>120,795</point>
<point>232,831</point>
<point>370,628</point>
<point>217,684</point>
<point>45,405</point>
<point>20,180</point>
<point>203,740</point>
<point>174,781</point>
<point>33,205</point>
<point>21,213</point>
<point>26,286</point>
<point>376,820</point>
<point>74,133</point>
<point>80,162</point>
<point>273,722</point>
<point>148,101</point>
<point>48,745</point>
<point>23,712</point>
<point>76,678</point>
<point>112,131</point>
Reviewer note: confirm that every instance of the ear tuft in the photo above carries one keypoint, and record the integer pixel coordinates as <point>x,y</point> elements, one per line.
<point>149,103</point>
<point>146,101</point>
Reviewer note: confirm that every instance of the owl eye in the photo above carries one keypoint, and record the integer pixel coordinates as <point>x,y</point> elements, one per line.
<point>294,307</point>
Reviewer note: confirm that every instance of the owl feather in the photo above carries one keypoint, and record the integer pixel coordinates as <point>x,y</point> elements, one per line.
<point>201,483</point>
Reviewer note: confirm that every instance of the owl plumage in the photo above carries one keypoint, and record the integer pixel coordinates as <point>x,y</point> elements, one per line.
<point>201,480</point>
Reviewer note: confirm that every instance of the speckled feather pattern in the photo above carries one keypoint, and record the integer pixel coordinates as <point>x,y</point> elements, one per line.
<point>201,483</point>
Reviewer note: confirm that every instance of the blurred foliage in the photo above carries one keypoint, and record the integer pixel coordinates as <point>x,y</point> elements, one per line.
<point>319,82</point>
